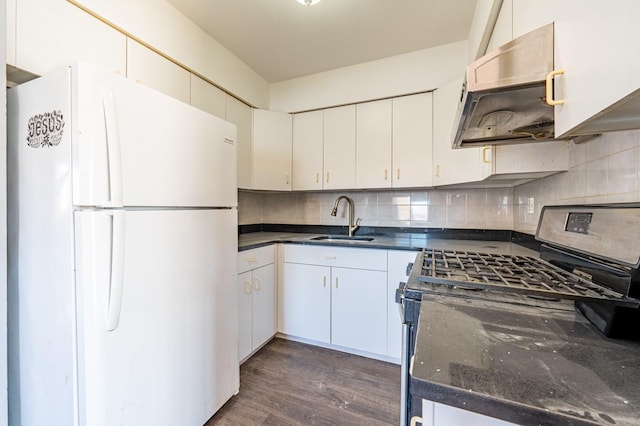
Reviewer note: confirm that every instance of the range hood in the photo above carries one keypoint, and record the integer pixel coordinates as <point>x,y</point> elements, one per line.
<point>503,99</point>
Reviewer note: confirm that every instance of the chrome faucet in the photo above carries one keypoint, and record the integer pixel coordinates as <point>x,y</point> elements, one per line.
<point>353,227</point>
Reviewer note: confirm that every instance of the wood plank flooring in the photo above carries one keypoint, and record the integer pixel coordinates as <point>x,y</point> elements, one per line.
<point>291,383</point>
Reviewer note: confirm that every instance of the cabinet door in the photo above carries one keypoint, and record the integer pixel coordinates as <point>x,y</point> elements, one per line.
<point>272,135</point>
<point>451,166</point>
<point>241,115</point>
<point>592,44</point>
<point>208,97</point>
<point>340,147</point>
<point>245,315</point>
<point>264,305</point>
<point>412,141</point>
<point>53,34</point>
<point>147,67</point>
<point>307,150</point>
<point>373,144</point>
<point>305,302</point>
<point>396,273</point>
<point>359,309</point>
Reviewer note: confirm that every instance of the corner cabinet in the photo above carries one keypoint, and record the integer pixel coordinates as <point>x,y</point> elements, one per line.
<point>257,302</point>
<point>335,295</point>
<point>272,142</point>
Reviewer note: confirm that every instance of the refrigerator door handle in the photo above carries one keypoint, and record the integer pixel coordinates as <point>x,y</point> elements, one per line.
<point>116,284</point>
<point>112,134</point>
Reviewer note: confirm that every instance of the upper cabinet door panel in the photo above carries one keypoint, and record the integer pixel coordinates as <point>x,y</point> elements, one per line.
<point>207,97</point>
<point>241,115</point>
<point>373,144</point>
<point>340,147</point>
<point>307,150</point>
<point>147,67</point>
<point>54,34</point>
<point>592,45</point>
<point>272,138</point>
<point>412,141</point>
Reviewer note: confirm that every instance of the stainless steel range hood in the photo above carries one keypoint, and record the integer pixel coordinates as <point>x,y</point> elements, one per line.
<point>503,96</point>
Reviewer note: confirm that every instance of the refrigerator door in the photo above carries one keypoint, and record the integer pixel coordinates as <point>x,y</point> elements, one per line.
<point>156,307</point>
<point>134,146</point>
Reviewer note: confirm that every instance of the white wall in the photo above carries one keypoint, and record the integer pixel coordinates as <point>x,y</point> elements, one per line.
<point>3,227</point>
<point>161,26</point>
<point>418,71</point>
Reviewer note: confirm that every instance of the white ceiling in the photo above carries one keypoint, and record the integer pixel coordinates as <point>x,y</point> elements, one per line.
<point>282,39</point>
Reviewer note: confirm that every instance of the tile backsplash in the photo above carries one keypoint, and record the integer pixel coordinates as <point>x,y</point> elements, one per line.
<point>468,208</point>
<point>602,170</point>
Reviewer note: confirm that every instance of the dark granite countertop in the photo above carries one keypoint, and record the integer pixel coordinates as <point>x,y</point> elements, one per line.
<point>392,241</point>
<point>530,365</point>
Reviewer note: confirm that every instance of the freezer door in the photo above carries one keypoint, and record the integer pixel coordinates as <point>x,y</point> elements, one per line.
<point>134,146</point>
<point>156,307</point>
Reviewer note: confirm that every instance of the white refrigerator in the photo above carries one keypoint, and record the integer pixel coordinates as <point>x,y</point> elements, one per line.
<point>123,241</point>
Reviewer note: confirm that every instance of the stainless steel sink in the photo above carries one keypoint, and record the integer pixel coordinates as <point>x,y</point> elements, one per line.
<point>341,238</point>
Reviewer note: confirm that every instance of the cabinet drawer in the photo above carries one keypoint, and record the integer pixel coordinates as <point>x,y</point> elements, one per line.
<point>255,258</point>
<point>357,258</point>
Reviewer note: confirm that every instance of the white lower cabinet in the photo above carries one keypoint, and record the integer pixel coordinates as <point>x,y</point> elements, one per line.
<point>435,414</point>
<point>257,302</point>
<point>335,295</point>
<point>305,301</point>
<point>397,261</point>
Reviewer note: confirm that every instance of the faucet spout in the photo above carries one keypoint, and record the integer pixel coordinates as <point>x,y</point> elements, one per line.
<point>352,227</point>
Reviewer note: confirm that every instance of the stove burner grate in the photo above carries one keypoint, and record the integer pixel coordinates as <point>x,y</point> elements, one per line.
<point>513,274</point>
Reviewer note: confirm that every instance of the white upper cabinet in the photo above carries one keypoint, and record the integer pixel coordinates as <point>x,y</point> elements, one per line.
<point>339,147</point>
<point>241,115</point>
<point>207,97</point>
<point>44,35</point>
<point>373,144</point>
<point>147,67</point>
<point>307,150</point>
<point>595,43</point>
<point>272,139</point>
<point>412,141</point>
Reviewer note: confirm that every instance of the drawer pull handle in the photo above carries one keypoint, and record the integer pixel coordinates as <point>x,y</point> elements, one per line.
<point>330,257</point>
<point>317,177</point>
<point>324,281</point>
<point>484,157</point>
<point>416,419</point>
<point>247,287</point>
<point>327,177</point>
<point>252,259</point>
<point>258,283</point>
<point>336,282</point>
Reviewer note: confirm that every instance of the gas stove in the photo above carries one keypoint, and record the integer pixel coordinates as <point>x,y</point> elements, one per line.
<point>589,261</point>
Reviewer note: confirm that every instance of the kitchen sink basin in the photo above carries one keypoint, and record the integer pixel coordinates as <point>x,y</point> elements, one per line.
<point>341,238</point>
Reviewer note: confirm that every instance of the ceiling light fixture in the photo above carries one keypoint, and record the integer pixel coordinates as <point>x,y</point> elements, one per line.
<point>308,2</point>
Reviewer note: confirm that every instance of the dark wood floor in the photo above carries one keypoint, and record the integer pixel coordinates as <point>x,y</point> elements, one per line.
<point>290,383</point>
